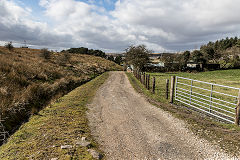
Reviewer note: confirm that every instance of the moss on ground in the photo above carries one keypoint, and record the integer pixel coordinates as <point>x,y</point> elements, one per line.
<point>62,123</point>
<point>227,136</point>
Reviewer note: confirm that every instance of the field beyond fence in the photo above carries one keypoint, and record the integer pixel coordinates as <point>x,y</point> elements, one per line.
<point>198,90</point>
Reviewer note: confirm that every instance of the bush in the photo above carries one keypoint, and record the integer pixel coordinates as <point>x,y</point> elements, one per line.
<point>9,46</point>
<point>45,53</point>
<point>64,58</point>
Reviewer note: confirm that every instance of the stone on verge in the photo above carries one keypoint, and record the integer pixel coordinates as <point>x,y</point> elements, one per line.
<point>66,146</point>
<point>83,143</point>
<point>95,154</point>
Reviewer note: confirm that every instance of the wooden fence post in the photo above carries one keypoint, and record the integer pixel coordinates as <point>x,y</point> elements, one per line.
<point>167,88</point>
<point>153,87</point>
<point>148,86</point>
<point>140,75</point>
<point>238,110</point>
<point>172,88</point>
<point>144,79</point>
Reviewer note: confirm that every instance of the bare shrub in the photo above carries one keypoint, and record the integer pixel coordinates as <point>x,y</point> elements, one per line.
<point>67,56</point>
<point>9,46</point>
<point>45,53</point>
<point>64,58</point>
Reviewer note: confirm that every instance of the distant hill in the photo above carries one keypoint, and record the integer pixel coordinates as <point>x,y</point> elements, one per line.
<point>30,79</point>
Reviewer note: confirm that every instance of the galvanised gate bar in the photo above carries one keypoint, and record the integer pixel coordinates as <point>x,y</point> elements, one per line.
<point>217,100</point>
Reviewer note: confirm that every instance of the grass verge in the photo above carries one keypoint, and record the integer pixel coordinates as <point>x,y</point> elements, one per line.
<point>30,79</point>
<point>62,123</point>
<point>227,136</point>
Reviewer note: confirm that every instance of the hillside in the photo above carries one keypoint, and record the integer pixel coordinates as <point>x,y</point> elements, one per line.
<point>59,131</point>
<point>30,79</point>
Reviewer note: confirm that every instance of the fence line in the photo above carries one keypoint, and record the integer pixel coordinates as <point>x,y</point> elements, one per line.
<point>3,133</point>
<point>214,99</point>
<point>207,100</point>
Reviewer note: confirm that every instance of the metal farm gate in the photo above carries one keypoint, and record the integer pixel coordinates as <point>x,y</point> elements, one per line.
<point>214,99</point>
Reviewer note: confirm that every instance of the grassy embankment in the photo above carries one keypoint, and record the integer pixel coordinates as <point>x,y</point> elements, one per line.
<point>30,80</point>
<point>226,135</point>
<point>62,123</point>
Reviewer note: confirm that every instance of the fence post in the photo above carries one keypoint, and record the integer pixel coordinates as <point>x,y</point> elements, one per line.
<point>238,110</point>
<point>141,77</point>
<point>148,86</point>
<point>172,88</point>
<point>144,79</point>
<point>167,86</point>
<point>153,87</point>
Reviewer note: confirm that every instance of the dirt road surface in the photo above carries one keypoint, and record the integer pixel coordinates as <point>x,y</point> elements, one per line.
<point>130,128</point>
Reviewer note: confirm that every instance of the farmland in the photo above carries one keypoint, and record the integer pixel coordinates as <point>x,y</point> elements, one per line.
<point>204,91</point>
<point>223,77</point>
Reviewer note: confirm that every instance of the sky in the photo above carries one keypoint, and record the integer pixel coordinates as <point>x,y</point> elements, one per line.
<point>114,25</point>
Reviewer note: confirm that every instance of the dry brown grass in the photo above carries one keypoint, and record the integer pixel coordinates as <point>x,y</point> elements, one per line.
<point>28,82</point>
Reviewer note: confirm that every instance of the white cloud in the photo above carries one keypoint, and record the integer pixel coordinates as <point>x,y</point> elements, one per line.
<point>175,23</point>
<point>17,25</point>
<point>159,24</point>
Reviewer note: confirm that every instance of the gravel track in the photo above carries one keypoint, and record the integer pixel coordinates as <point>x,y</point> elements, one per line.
<point>130,128</point>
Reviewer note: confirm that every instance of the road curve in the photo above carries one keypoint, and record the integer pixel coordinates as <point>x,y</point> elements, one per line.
<point>130,128</point>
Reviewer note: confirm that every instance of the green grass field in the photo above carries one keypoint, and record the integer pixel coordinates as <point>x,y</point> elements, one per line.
<point>216,104</point>
<point>223,77</point>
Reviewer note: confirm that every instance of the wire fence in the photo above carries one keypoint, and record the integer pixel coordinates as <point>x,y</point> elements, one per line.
<point>216,100</point>
<point>3,133</point>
